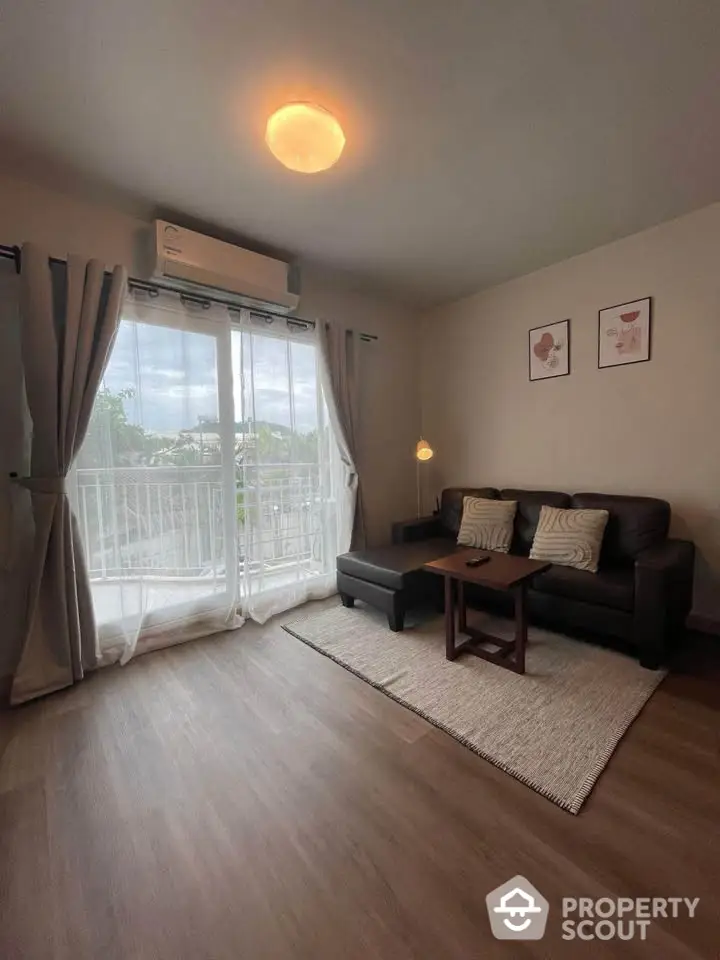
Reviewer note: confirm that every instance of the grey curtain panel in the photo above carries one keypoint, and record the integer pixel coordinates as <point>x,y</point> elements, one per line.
<point>340,356</point>
<point>69,316</point>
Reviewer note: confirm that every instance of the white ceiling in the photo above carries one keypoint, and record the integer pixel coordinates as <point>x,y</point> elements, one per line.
<point>484,139</point>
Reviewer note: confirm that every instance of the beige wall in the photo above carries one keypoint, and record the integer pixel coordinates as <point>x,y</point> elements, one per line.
<point>390,404</point>
<point>649,428</point>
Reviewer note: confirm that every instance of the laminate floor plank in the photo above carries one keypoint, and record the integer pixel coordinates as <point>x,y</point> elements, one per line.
<point>245,798</point>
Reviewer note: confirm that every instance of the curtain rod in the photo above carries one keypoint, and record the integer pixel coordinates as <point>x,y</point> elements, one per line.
<point>154,288</point>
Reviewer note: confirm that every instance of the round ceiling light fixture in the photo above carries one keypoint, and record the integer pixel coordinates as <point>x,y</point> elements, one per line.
<point>305,137</point>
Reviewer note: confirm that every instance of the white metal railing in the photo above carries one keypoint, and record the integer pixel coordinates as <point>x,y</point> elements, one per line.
<point>168,521</point>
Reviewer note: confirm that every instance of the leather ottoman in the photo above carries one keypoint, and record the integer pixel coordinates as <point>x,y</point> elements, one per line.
<point>390,578</point>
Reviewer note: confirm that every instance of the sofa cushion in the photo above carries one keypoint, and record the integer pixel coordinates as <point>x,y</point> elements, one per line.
<point>635,523</point>
<point>487,524</point>
<point>614,588</point>
<point>451,505</point>
<point>393,566</point>
<point>529,503</point>
<point>572,538</point>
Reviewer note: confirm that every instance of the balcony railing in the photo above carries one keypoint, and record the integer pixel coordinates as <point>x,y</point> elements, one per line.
<point>169,521</point>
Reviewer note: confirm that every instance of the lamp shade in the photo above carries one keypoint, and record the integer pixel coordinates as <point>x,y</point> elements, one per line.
<point>423,451</point>
<point>305,137</point>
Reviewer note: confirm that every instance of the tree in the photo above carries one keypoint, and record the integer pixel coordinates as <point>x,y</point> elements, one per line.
<point>112,440</point>
<point>186,450</point>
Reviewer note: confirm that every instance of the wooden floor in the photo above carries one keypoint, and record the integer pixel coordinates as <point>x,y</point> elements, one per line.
<point>244,797</point>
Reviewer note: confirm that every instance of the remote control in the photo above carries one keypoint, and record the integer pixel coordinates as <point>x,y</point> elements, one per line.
<point>476,561</point>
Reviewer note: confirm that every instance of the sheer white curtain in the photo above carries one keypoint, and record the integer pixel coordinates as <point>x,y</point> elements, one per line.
<point>209,487</point>
<point>295,517</point>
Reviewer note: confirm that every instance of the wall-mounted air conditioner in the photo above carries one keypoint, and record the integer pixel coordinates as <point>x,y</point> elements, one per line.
<point>191,260</point>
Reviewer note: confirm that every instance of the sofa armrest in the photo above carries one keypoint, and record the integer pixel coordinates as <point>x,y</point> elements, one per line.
<point>669,559</point>
<point>663,594</point>
<point>421,528</point>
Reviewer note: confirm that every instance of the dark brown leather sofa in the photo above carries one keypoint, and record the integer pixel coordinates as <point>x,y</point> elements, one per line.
<point>641,594</point>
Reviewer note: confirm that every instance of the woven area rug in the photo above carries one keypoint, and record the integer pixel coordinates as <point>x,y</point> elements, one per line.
<point>554,728</point>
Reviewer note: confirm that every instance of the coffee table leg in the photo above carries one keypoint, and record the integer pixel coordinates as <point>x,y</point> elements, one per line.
<point>520,627</point>
<point>461,608</point>
<point>449,619</point>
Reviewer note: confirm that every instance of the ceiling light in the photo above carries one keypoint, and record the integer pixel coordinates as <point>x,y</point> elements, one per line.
<point>305,137</point>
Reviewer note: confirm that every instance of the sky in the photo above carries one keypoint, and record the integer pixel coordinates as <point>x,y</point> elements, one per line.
<point>173,376</point>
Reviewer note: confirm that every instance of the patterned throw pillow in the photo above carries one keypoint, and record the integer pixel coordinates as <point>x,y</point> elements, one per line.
<point>571,538</point>
<point>487,524</point>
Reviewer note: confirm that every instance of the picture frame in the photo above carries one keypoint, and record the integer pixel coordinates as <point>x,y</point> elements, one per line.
<point>625,333</point>
<point>549,351</point>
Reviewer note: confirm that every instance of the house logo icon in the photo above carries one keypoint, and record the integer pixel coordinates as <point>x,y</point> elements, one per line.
<point>517,911</point>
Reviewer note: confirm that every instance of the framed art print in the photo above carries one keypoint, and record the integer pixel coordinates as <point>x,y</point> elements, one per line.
<point>549,348</point>
<point>624,333</point>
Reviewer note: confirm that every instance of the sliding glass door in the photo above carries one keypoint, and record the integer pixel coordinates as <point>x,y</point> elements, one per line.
<point>287,467</point>
<point>208,485</point>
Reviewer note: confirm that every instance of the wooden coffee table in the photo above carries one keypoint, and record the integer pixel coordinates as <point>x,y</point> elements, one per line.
<point>502,572</point>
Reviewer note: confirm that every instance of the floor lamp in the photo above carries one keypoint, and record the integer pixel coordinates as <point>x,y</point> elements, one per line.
<point>423,452</point>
